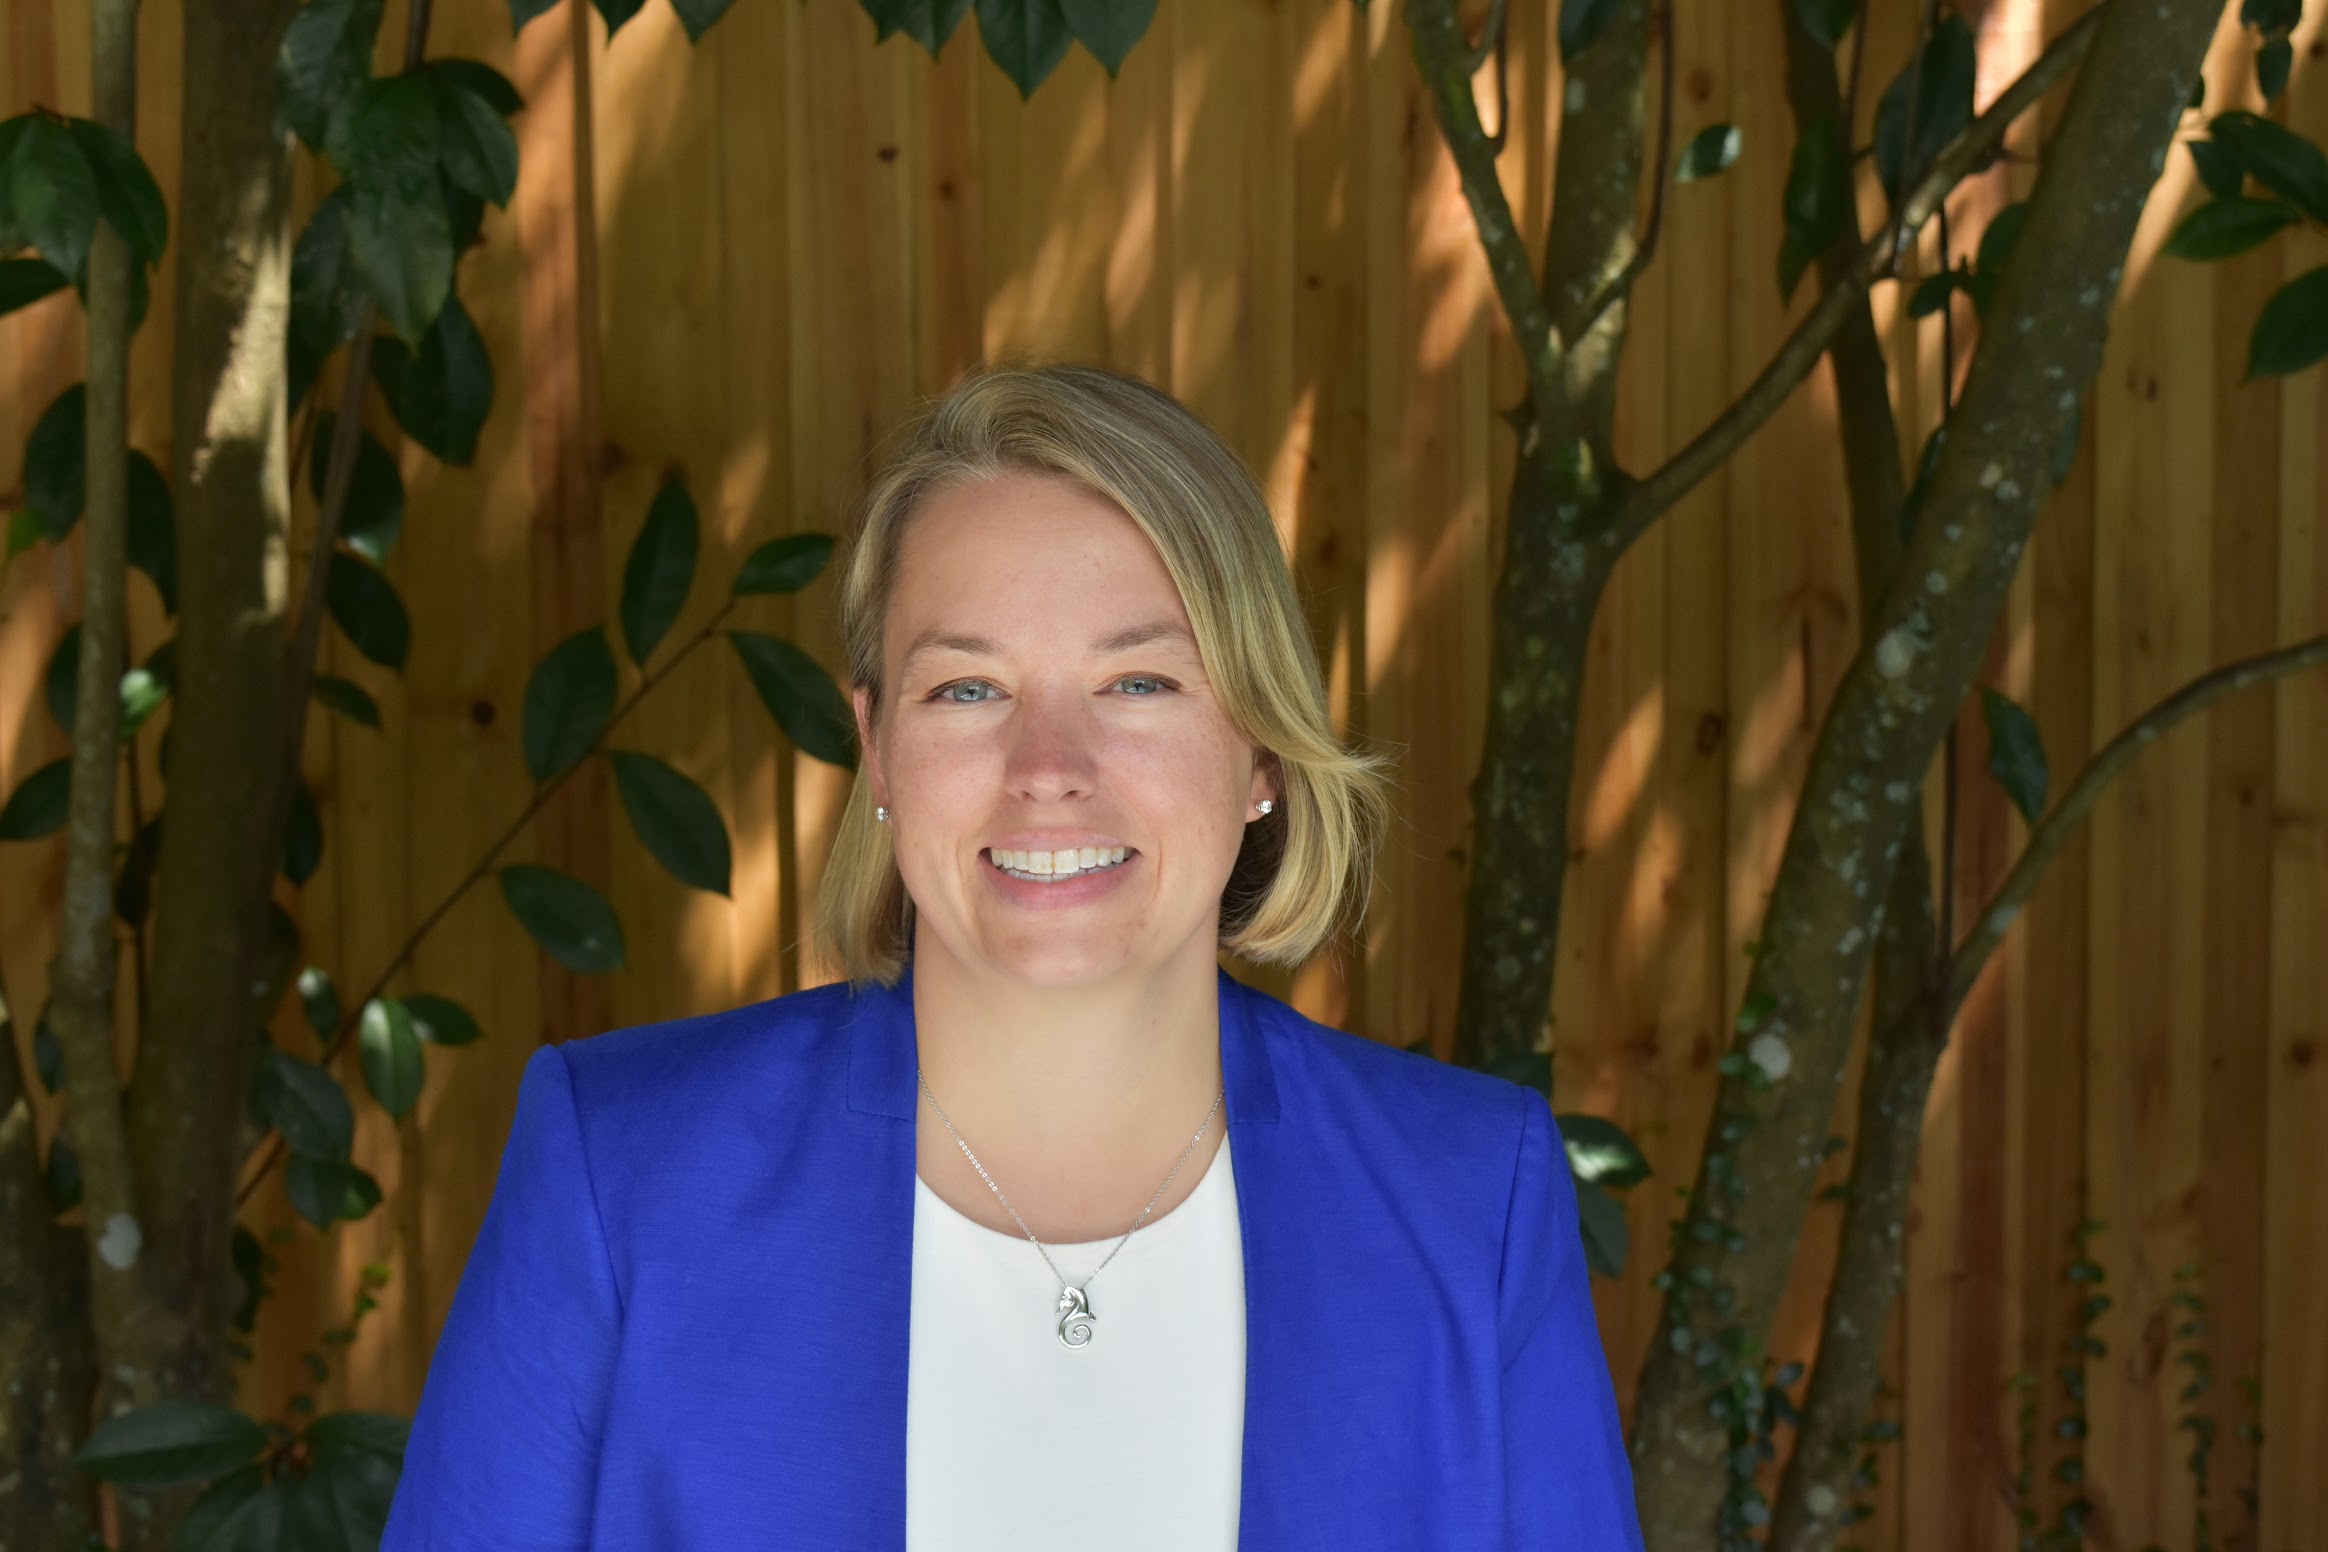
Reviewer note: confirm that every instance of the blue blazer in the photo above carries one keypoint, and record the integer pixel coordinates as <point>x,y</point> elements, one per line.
<point>684,1322</point>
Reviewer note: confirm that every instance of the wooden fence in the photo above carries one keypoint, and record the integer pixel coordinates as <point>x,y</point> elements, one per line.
<point>747,259</point>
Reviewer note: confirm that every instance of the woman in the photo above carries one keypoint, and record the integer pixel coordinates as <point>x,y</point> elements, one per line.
<point>1039,1229</point>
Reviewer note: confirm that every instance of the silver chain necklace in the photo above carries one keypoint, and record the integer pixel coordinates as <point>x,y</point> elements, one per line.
<point>1076,1321</point>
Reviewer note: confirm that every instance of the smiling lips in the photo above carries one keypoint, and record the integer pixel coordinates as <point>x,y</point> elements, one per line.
<point>1067,862</point>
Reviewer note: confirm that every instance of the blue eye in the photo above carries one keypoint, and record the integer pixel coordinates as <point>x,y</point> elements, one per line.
<point>945,693</point>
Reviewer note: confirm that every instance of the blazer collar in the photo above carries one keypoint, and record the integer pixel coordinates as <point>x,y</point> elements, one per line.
<point>882,1053</point>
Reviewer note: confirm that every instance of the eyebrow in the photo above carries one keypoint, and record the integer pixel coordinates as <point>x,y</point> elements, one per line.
<point>1123,640</point>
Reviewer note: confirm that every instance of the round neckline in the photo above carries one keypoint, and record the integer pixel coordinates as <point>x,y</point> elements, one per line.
<point>1204,1184</point>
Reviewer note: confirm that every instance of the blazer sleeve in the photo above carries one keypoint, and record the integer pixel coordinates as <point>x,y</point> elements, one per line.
<point>504,1448</point>
<point>1568,1483</point>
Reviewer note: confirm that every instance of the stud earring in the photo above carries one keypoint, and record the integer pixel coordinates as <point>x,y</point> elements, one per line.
<point>880,814</point>
<point>1265,805</point>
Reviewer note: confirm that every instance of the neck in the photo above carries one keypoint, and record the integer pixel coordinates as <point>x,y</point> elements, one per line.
<point>1053,1066</point>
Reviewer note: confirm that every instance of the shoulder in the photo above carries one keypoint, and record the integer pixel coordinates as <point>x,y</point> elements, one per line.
<point>652,1084</point>
<point>1453,1117</point>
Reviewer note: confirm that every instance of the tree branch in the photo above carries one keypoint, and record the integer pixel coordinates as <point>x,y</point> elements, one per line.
<point>83,974</point>
<point>1442,56</point>
<point>1620,286</point>
<point>44,1335</point>
<point>1658,492</point>
<point>1890,712</point>
<point>347,440</point>
<point>352,1016</point>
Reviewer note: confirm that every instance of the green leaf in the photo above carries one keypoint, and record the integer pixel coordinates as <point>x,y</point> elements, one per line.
<point>441,393</point>
<point>347,698</point>
<point>403,248</point>
<point>1027,38</point>
<point>2218,169</point>
<point>1713,149</point>
<point>2016,752</point>
<point>168,1442</point>
<point>1601,1220</point>
<point>24,531</point>
<point>327,288</point>
<point>319,999</point>
<point>1933,291</point>
<point>306,1104</point>
<point>482,80</point>
<point>1818,199</point>
<point>55,462</point>
<point>153,528</point>
<point>660,571</point>
<point>1109,28</point>
<point>1754,1010</point>
<point>302,836</point>
<point>1581,22</point>
<point>326,54</point>
<point>800,695</point>
<point>384,136</point>
<point>37,808</point>
<point>2223,228</point>
<point>440,1020</point>
<point>133,887</point>
<point>615,12</point>
<point>523,11</point>
<point>127,196</point>
<point>238,1513</point>
<point>328,1191</point>
<point>1943,105</point>
<point>784,565</point>
<point>567,702</point>
<point>52,191</point>
<point>928,22</point>
<point>374,514</point>
<point>2291,333</point>
<point>2276,157</point>
<point>62,1175</point>
<point>364,605</point>
<point>1599,1151</point>
<point>570,920</point>
<point>394,1069</point>
<point>60,682</point>
<point>48,1057</point>
<point>698,15</point>
<point>2274,58</point>
<point>676,820</point>
<point>1826,20</point>
<point>347,1490</point>
<point>1998,238</point>
<point>25,281</point>
<point>478,151</point>
<point>360,1433</point>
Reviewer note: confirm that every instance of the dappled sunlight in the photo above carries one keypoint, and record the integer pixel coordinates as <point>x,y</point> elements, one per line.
<point>1627,766</point>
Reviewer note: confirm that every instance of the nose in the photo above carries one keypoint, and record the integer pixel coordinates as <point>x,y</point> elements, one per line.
<point>1053,745</point>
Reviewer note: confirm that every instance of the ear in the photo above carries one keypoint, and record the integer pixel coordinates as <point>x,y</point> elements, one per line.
<point>1268,778</point>
<point>861,703</point>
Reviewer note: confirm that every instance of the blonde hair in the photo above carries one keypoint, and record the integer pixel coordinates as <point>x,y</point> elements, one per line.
<point>1303,872</point>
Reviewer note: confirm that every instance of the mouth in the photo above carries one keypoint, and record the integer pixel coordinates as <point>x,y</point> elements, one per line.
<point>1057,867</point>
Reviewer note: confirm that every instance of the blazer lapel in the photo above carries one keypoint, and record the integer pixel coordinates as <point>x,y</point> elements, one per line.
<point>1283,1438</point>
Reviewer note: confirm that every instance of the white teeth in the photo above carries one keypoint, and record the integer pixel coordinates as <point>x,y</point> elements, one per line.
<point>1066,862</point>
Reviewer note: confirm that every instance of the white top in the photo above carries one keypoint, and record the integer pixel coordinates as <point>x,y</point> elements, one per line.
<point>1132,1442</point>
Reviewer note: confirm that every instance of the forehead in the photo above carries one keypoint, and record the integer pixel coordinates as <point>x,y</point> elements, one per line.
<point>1025,555</point>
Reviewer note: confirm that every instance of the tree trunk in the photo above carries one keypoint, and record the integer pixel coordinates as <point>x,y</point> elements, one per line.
<point>1890,713</point>
<point>44,1338</point>
<point>231,485</point>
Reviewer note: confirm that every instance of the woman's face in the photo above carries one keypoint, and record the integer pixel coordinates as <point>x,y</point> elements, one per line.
<point>1045,696</point>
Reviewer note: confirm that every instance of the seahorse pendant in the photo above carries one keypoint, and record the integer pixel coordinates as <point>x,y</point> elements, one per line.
<point>1076,1322</point>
